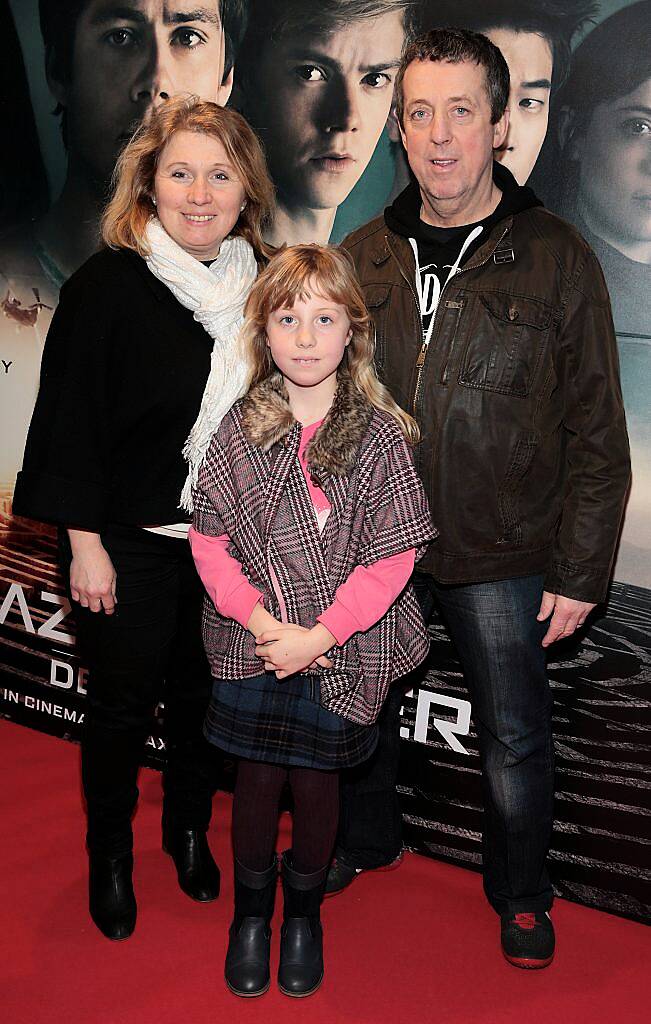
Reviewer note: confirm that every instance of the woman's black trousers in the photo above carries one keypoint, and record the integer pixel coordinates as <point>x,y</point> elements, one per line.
<point>149,650</point>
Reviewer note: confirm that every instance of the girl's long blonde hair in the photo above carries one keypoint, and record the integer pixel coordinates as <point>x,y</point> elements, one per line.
<point>125,218</point>
<point>295,272</point>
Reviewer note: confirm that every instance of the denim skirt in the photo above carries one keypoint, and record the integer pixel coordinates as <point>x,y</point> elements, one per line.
<point>282,722</point>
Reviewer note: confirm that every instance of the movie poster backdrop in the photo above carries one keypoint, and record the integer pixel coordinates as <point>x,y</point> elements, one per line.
<point>315,78</point>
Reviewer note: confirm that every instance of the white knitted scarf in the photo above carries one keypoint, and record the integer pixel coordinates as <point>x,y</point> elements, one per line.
<point>216,295</point>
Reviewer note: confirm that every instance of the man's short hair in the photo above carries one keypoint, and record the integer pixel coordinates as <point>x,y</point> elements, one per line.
<point>59,21</point>
<point>234,15</point>
<point>273,20</point>
<point>558,21</point>
<point>454,45</point>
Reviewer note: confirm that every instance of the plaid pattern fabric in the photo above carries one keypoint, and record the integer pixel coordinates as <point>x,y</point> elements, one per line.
<point>260,499</point>
<point>283,722</point>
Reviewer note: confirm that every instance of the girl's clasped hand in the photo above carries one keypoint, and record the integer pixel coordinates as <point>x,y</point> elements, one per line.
<point>291,648</point>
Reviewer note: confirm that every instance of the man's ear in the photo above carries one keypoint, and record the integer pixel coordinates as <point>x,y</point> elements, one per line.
<point>501,130</point>
<point>225,89</point>
<point>568,134</point>
<point>393,126</point>
<point>56,85</point>
<point>403,137</point>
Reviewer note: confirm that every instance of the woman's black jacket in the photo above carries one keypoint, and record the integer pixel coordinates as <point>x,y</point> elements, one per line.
<point>123,373</point>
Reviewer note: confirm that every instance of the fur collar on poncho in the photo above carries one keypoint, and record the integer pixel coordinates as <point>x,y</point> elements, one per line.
<point>267,420</point>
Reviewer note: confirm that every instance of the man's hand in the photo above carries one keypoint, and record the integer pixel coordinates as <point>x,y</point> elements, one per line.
<point>291,648</point>
<point>568,616</point>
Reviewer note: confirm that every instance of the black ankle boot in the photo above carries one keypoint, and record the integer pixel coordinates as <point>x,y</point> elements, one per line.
<point>196,869</point>
<point>301,939</point>
<point>112,903</point>
<point>247,959</point>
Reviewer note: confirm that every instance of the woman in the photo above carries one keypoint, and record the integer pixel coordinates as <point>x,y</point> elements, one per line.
<point>605,189</point>
<point>604,170</point>
<point>143,330</point>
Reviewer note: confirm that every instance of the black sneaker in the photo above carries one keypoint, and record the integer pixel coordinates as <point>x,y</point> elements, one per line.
<point>528,940</point>
<point>341,874</point>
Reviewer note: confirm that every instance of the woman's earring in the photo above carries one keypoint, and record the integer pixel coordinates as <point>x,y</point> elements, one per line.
<point>242,207</point>
<point>153,199</point>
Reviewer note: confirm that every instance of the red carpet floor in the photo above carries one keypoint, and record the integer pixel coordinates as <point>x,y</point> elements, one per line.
<point>416,945</point>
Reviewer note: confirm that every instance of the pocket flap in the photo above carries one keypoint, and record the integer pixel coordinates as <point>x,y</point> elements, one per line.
<point>376,294</point>
<point>512,309</point>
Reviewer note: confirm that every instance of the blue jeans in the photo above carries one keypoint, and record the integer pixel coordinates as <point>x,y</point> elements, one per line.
<point>498,641</point>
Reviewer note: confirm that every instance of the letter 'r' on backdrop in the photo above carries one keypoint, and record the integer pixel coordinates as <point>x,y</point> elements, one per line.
<point>81,74</point>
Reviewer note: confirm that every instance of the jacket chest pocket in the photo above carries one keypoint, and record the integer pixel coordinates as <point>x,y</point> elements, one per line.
<point>506,344</point>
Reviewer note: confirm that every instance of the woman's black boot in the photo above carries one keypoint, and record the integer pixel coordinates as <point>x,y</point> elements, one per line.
<point>247,959</point>
<point>197,872</point>
<point>111,899</point>
<point>301,939</point>
<point>188,785</point>
<point>109,766</point>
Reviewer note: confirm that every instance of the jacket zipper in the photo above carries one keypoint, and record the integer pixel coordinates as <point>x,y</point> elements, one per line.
<point>422,355</point>
<point>425,344</point>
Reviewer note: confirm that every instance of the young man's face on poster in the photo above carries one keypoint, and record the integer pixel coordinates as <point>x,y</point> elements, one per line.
<point>530,61</point>
<point>321,102</point>
<point>128,55</point>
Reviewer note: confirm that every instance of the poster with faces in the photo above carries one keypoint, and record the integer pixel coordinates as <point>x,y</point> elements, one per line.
<point>315,78</point>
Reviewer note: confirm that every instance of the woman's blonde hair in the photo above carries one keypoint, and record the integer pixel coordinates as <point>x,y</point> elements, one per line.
<point>296,272</point>
<point>132,205</point>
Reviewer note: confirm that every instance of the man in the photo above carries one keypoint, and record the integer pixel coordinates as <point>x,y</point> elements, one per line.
<point>316,81</point>
<point>108,64</point>
<point>535,40</point>
<point>494,330</point>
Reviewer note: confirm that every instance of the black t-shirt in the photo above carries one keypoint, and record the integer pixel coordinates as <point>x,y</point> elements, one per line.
<point>441,252</point>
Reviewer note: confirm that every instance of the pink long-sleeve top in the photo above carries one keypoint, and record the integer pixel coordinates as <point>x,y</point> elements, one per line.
<point>359,603</point>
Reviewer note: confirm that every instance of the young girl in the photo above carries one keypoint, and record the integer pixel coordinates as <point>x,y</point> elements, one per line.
<point>308,517</point>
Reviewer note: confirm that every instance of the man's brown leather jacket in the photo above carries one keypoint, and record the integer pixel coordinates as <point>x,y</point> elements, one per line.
<point>524,452</point>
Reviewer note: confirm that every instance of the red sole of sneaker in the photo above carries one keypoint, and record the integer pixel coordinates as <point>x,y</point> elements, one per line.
<point>527,963</point>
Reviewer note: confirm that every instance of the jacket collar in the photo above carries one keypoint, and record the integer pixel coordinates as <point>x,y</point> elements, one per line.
<point>498,245</point>
<point>333,451</point>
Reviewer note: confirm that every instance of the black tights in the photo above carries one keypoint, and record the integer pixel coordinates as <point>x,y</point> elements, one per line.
<point>255,814</point>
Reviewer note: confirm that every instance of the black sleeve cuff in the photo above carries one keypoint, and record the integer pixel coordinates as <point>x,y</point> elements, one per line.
<point>53,499</point>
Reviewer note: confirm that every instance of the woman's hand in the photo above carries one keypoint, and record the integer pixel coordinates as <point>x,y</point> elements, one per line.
<point>92,575</point>
<point>291,648</point>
